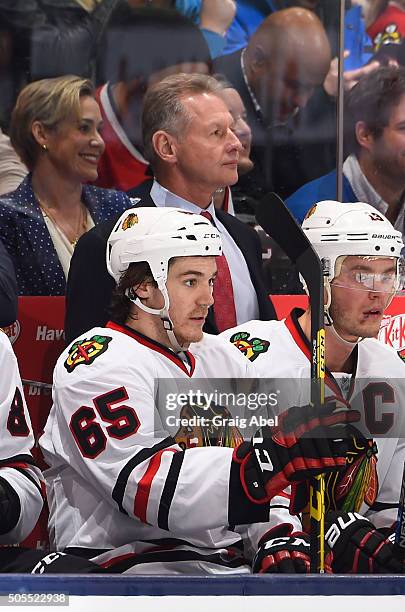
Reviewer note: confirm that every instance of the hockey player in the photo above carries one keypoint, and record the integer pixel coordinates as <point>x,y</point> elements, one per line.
<point>21,483</point>
<point>360,253</point>
<point>136,486</point>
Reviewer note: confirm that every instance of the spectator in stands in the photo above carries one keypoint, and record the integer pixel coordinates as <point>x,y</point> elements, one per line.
<point>223,197</point>
<point>386,23</point>
<point>8,289</point>
<point>213,17</point>
<point>374,171</point>
<point>12,170</point>
<point>56,37</point>
<point>251,13</point>
<point>55,128</point>
<point>188,138</point>
<point>141,46</point>
<point>276,74</point>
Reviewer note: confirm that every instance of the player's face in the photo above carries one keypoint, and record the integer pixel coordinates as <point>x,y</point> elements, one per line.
<point>75,145</point>
<point>189,284</point>
<point>388,150</point>
<point>360,295</point>
<point>207,153</point>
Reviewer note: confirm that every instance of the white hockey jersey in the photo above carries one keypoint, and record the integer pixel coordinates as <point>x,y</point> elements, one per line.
<point>371,482</point>
<point>17,465</point>
<point>127,475</point>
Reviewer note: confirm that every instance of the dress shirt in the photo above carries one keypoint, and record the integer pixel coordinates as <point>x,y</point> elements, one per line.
<point>246,304</point>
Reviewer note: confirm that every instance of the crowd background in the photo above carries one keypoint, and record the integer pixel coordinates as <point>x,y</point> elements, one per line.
<point>282,74</point>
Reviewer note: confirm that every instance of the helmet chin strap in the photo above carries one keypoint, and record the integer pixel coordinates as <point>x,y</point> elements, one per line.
<point>163,313</point>
<point>329,321</point>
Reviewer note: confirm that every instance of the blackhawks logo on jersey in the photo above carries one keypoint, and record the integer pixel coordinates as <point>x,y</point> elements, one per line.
<point>130,221</point>
<point>310,212</point>
<point>401,354</point>
<point>358,482</point>
<point>86,351</point>
<point>250,347</point>
<point>207,425</point>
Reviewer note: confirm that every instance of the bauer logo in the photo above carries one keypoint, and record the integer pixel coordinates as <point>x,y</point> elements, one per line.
<point>392,332</point>
<point>13,331</point>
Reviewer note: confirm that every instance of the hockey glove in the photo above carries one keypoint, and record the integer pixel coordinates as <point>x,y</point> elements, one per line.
<point>357,547</point>
<point>307,441</point>
<point>282,551</point>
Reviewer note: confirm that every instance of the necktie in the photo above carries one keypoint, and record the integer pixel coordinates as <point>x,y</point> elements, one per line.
<point>224,303</point>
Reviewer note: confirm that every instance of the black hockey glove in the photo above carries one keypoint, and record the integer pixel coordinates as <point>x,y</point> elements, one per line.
<point>357,547</point>
<point>283,551</point>
<point>306,442</point>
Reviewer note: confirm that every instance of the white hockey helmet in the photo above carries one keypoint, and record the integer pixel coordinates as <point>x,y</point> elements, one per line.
<point>156,235</point>
<point>337,229</point>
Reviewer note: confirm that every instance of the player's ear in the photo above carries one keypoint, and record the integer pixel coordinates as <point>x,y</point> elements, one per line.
<point>143,290</point>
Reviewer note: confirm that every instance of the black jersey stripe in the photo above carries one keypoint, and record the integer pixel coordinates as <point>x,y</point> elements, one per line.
<point>30,477</point>
<point>168,490</point>
<point>378,506</point>
<point>143,455</point>
<point>23,458</point>
<point>234,560</point>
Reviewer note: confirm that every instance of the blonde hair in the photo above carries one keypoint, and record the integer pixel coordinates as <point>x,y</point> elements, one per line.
<point>49,101</point>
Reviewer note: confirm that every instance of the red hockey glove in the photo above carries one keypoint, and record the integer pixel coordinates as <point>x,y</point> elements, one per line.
<point>282,551</point>
<point>307,441</point>
<point>357,547</point>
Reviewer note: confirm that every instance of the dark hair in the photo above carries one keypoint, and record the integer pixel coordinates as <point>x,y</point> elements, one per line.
<point>372,100</point>
<point>141,41</point>
<point>136,274</point>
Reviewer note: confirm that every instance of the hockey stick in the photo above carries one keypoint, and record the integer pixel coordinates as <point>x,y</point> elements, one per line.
<point>278,222</point>
<point>400,531</point>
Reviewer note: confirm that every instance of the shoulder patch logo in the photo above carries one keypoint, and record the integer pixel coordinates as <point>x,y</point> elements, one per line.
<point>129,221</point>
<point>86,351</point>
<point>310,212</point>
<point>250,347</point>
<point>401,354</point>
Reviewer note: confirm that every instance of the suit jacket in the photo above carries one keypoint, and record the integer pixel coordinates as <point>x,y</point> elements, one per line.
<point>89,285</point>
<point>8,289</point>
<point>287,156</point>
<point>29,244</point>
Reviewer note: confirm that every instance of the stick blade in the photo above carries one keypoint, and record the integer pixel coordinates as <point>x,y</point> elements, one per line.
<point>275,218</point>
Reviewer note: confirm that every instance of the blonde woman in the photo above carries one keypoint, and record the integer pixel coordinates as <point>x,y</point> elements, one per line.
<point>55,129</point>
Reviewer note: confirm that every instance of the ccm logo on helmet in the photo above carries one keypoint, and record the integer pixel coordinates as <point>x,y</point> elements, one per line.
<point>334,531</point>
<point>384,236</point>
<point>211,236</point>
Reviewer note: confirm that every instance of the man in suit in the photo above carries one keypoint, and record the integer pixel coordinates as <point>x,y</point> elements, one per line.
<point>282,67</point>
<point>189,142</point>
<point>8,289</point>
